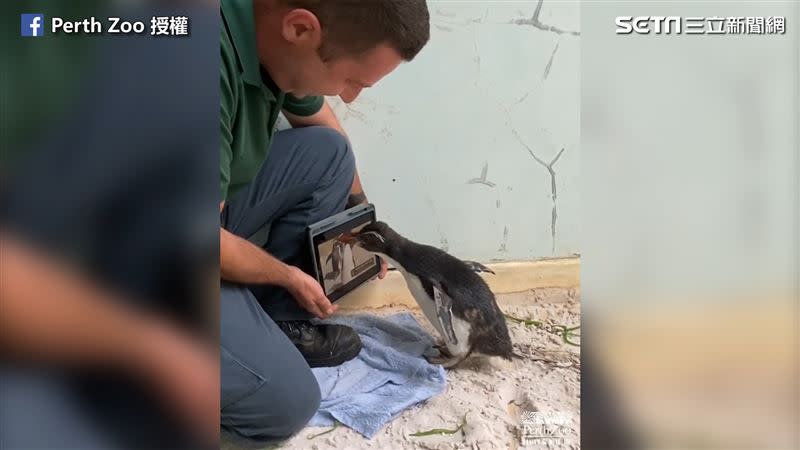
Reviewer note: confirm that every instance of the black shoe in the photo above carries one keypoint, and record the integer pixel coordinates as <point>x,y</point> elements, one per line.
<point>322,345</point>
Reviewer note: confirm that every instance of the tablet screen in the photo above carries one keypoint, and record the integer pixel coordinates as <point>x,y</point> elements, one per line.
<point>341,265</point>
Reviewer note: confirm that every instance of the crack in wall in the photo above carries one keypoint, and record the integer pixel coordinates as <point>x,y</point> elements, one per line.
<point>361,110</point>
<point>550,170</point>
<point>452,21</point>
<point>477,57</point>
<point>550,62</point>
<point>346,112</point>
<point>504,245</point>
<point>482,179</point>
<point>444,245</point>
<point>522,99</point>
<point>553,193</point>
<point>374,106</point>
<point>536,23</point>
<point>443,13</point>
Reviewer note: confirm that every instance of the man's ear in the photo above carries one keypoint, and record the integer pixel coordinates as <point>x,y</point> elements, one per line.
<point>301,27</point>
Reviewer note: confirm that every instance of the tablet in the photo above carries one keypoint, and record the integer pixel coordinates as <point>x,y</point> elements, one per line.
<point>341,267</point>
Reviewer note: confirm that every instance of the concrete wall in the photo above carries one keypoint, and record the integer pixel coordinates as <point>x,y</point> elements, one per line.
<point>473,147</point>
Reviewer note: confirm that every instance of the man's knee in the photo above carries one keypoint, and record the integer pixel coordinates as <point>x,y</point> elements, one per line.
<point>268,392</point>
<point>333,146</point>
<point>277,410</point>
<point>298,404</point>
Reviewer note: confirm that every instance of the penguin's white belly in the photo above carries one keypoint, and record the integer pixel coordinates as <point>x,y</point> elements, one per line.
<point>462,330</point>
<point>428,306</point>
<point>347,264</point>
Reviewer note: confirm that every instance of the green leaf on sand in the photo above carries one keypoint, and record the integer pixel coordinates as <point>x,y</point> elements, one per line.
<point>313,436</point>
<point>440,431</point>
<point>565,332</point>
<point>526,322</point>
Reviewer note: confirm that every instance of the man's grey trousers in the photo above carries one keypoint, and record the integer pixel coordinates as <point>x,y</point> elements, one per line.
<point>268,390</point>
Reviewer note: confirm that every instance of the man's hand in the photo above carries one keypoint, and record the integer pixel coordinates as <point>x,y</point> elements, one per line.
<point>243,262</point>
<point>326,117</point>
<point>309,294</point>
<point>55,314</point>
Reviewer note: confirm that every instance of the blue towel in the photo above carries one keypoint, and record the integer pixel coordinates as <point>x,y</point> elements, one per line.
<point>388,376</point>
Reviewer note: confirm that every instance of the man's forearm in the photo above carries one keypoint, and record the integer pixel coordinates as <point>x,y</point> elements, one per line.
<point>51,314</point>
<point>243,262</point>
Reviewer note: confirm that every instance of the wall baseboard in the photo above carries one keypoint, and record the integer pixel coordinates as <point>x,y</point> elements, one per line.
<point>509,278</point>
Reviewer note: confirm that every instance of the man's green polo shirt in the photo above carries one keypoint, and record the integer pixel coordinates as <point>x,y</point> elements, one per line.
<point>249,101</point>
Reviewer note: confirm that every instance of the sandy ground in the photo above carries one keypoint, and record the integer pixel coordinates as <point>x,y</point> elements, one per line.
<point>490,396</point>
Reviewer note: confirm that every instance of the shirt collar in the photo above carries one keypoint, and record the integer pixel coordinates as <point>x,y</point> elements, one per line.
<point>239,16</point>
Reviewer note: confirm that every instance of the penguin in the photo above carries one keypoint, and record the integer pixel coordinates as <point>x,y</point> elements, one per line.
<point>451,294</point>
<point>336,259</point>
<point>348,264</point>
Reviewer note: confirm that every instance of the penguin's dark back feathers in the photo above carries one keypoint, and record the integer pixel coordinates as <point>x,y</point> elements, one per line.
<point>473,301</point>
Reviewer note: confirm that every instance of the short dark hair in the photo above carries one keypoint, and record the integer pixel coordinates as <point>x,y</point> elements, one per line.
<point>351,27</point>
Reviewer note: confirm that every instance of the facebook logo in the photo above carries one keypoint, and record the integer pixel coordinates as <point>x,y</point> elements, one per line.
<point>32,25</point>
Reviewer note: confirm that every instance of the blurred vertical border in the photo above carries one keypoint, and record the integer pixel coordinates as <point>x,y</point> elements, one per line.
<point>690,260</point>
<point>110,162</point>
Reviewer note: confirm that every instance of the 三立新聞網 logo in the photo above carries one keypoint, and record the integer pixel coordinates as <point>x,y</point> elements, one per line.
<point>700,25</point>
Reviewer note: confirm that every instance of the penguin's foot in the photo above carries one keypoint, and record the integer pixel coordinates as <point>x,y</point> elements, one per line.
<point>442,348</point>
<point>449,361</point>
<point>438,350</point>
<point>440,359</point>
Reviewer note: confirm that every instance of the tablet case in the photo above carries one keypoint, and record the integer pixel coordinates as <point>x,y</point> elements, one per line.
<point>326,230</point>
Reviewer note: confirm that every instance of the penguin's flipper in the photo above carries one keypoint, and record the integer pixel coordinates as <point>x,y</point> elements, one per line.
<point>478,267</point>
<point>444,313</point>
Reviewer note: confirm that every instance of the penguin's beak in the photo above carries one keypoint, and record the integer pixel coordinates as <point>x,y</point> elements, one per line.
<point>349,238</point>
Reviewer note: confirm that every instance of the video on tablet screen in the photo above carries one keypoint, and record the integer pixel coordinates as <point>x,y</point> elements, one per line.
<point>342,262</point>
